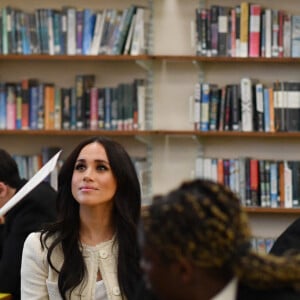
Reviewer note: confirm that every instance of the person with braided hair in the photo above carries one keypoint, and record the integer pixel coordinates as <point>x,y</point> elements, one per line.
<point>195,244</point>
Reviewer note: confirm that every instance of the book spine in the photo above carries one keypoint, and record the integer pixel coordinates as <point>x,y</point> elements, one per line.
<point>94,108</point>
<point>254,30</point>
<point>244,29</point>
<point>266,110</point>
<point>57,108</point>
<point>246,103</point>
<point>205,99</point>
<point>18,91</point>
<point>79,31</point>
<point>10,107</point>
<point>259,107</point>
<point>288,197</point>
<point>2,106</point>
<point>274,184</point>
<point>65,107</point>
<point>268,33</point>
<point>214,11</point>
<point>287,27</point>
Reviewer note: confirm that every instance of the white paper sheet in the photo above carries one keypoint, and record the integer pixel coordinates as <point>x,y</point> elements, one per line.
<point>37,178</point>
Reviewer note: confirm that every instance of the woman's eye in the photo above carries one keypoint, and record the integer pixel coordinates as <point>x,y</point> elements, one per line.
<point>102,168</point>
<point>80,167</point>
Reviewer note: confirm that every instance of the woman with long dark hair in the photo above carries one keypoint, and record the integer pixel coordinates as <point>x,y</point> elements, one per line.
<point>91,251</point>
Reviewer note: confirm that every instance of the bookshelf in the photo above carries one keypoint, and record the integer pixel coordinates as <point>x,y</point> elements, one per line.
<point>172,69</point>
<point>175,76</point>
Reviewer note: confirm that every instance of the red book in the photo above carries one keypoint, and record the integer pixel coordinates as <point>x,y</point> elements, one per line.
<point>220,174</point>
<point>254,30</point>
<point>254,181</point>
<point>25,104</point>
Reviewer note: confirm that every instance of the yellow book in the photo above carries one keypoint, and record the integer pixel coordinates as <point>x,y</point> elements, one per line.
<point>244,29</point>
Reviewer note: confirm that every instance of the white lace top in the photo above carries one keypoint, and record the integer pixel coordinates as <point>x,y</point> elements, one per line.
<point>100,293</point>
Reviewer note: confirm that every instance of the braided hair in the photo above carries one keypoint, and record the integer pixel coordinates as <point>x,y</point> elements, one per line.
<point>203,221</point>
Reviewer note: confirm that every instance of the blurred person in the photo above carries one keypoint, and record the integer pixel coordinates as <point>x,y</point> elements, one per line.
<point>35,209</point>
<point>288,240</point>
<point>195,244</point>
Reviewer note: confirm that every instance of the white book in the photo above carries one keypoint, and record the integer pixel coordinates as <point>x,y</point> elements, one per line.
<point>287,28</point>
<point>141,102</point>
<point>268,33</point>
<point>214,169</point>
<point>97,34</point>
<point>199,162</point>
<point>50,31</point>
<point>128,44</point>
<point>71,31</point>
<point>138,46</point>
<point>247,105</point>
<point>288,191</point>
<point>197,105</point>
<point>207,168</point>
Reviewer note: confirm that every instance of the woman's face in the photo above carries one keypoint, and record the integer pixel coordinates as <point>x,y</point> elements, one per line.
<point>93,181</point>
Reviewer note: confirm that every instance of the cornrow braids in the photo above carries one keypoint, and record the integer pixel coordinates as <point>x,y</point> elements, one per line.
<point>203,221</point>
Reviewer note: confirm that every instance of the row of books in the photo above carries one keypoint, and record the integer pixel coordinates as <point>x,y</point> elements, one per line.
<point>28,165</point>
<point>31,104</point>
<point>262,245</point>
<point>73,31</point>
<point>247,106</point>
<point>258,182</point>
<point>247,30</point>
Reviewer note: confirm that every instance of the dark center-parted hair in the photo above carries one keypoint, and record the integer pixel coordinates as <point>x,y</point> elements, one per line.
<point>9,173</point>
<point>126,213</point>
<point>203,222</point>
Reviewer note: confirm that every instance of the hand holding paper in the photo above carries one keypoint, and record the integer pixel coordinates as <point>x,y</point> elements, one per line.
<point>31,184</point>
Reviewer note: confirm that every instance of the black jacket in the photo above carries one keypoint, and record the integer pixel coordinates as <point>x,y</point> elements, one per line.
<point>288,240</point>
<point>37,208</point>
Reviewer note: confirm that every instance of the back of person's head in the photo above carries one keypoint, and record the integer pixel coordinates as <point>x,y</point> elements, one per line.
<point>204,223</point>
<point>9,173</point>
<point>201,221</point>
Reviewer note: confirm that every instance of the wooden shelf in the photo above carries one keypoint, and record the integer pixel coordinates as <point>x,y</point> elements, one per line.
<point>269,210</point>
<point>153,132</point>
<point>40,57</point>
<point>219,59</point>
<point>77,132</point>
<point>232,133</point>
<point>176,58</point>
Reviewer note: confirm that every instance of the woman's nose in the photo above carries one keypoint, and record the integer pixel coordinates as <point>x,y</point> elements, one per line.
<point>88,175</point>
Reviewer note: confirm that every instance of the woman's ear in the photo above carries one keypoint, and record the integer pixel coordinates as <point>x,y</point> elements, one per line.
<point>3,189</point>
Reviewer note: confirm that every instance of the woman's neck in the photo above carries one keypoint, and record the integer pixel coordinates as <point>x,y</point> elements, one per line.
<point>96,226</point>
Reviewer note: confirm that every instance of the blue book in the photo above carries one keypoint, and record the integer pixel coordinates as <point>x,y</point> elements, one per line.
<point>266,110</point>
<point>2,106</point>
<point>87,31</point>
<point>33,106</point>
<point>274,184</point>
